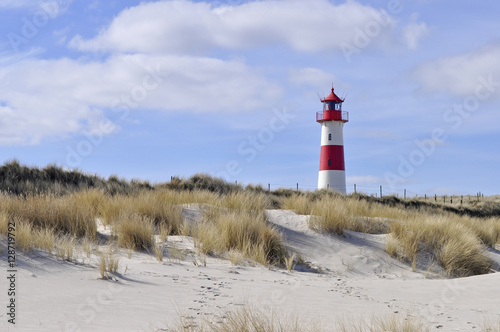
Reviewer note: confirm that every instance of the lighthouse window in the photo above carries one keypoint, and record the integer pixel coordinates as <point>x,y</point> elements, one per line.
<point>329,137</point>
<point>329,162</point>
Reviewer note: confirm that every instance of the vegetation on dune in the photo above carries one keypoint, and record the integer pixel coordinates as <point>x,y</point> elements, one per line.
<point>239,223</point>
<point>54,209</point>
<point>456,240</point>
<point>17,179</point>
<point>203,182</point>
<point>65,214</point>
<point>251,319</point>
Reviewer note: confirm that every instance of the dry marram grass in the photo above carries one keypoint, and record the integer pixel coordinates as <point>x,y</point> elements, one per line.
<point>135,232</point>
<point>235,221</point>
<point>251,319</point>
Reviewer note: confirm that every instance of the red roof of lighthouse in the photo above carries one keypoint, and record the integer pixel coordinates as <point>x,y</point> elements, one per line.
<point>333,97</point>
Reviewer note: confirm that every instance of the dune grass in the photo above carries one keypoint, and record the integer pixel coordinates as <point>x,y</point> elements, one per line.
<point>491,325</point>
<point>251,319</point>
<point>135,232</point>
<point>66,214</point>
<point>456,241</point>
<point>53,207</point>
<point>248,319</point>
<point>158,206</point>
<point>454,245</point>
<point>239,223</point>
<point>243,231</point>
<point>335,214</point>
<point>108,264</point>
<point>392,323</point>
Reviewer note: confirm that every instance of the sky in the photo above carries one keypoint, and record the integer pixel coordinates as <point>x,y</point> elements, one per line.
<point>154,89</point>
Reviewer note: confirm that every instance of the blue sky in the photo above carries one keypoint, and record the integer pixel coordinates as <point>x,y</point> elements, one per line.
<point>151,89</point>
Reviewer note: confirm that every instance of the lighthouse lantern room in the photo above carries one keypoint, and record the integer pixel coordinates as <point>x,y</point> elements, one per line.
<point>331,164</point>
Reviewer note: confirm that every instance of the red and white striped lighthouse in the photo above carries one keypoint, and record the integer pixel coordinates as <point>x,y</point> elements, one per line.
<point>331,163</point>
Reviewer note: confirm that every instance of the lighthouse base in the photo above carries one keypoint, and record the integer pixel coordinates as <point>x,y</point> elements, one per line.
<point>333,180</point>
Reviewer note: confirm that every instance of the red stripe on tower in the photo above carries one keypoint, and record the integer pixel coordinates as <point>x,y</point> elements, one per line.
<point>332,158</point>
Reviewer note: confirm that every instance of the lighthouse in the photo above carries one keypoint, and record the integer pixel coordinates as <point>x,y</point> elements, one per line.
<point>331,162</point>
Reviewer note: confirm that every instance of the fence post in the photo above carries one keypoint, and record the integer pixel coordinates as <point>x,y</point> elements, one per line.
<point>269,187</point>
<point>405,193</point>
<point>462,200</point>
<point>435,197</point>
<point>451,199</point>
<point>380,191</point>
<point>354,188</point>
<point>425,197</point>
<point>297,186</point>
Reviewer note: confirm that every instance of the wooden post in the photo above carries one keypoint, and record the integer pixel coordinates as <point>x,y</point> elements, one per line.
<point>435,197</point>
<point>451,199</point>
<point>297,186</point>
<point>269,187</point>
<point>425,197</point>
<point>405,193</point>
<point>354,188</point>
<point>462,200</point>
<point>381,191</point>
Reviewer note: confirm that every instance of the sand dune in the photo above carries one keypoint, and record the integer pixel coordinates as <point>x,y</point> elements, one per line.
<point>350,278</point>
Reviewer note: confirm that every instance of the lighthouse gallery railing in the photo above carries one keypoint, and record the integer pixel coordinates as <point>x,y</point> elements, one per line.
<point>332,116</point>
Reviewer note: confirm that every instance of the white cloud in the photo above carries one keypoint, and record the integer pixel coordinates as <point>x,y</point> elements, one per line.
<point>461,74</point>
<point>46,98</point>
<point>414,32</point>
<point>195,28</point>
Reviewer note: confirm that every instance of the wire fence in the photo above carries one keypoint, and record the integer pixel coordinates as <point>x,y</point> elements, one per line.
<point>379,191</point>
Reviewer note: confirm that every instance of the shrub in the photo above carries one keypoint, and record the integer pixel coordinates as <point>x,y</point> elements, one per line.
<point>203,181</point>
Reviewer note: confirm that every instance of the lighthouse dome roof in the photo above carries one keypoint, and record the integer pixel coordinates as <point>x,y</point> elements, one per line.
<point>333,97</point>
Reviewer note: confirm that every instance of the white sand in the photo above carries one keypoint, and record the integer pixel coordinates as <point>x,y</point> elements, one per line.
<point>349,278</point>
